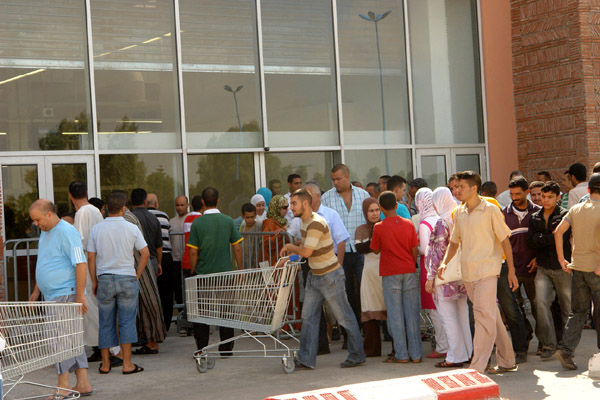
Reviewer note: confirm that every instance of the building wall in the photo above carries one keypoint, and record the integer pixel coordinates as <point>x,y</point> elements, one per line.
<point>497,63</point>
<point>555,45</point>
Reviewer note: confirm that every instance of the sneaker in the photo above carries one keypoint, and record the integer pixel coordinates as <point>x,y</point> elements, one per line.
<point>546,354</point>
<point>566,360</point>
<point>520,357</point>
<point>351,364</point>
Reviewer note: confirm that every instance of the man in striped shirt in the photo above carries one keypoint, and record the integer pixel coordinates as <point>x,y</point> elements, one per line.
<point>169,277</point>
<point>325,283</point>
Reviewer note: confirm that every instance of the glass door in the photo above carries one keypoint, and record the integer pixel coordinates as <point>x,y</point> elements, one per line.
<point>436,165</point>
<point>60,172</point>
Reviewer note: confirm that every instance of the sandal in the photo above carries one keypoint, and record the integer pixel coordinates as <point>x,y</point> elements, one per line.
<point>394,360</point>
<point>102,371</point>
<point>416,360</point>
<point>446,364</point>
<point>144,350</point>
<point>134,371</point>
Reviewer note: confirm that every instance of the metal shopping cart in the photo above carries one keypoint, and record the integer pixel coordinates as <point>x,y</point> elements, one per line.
<point>253,300</point>
<point>38,335</point>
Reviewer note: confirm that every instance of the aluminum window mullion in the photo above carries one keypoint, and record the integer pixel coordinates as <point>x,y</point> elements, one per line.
<point>411,111</point>
<point>181,99</point>
<point>92,89</point>
<point>338,84</point>
<point>261,71</point>
<point>483,93</point>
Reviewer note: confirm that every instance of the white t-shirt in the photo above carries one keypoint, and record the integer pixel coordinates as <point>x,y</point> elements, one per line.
<point>85,218</point>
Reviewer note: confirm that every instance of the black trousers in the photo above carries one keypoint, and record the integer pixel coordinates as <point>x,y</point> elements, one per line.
<point>167,282</point>
<point>202,334</point>
<point>178,291</point>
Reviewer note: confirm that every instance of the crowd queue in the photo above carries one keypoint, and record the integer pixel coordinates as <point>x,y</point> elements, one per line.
<point>374,259</point>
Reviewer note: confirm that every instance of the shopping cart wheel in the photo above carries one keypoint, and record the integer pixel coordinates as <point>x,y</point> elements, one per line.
<point>288,365</point>
<point>202,365</point>
<point>210,362</point>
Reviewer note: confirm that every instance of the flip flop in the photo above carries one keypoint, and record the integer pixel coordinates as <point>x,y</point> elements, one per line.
<point>144,350</point>
<point>134,371</point>
<point>394,360</point>
<point>104,372</point>
<point>447,364</point>
<point>73,394</point>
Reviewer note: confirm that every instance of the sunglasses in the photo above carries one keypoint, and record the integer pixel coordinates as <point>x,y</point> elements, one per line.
<point>285,207</point>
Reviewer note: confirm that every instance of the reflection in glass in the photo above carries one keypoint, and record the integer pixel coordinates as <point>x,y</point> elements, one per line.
<point>310,166</point>
<point>368,165</point>
<point>20,189</point>
<point>445,71</point>
<point>219,51</point>
<point>134,74</point>
<point>373,72</point>
<point>62,176</point>
<point>299,73</point>
<point>157,173</point>
<point>468,162</point>
<point>231,174</point>
<point>44,103</point>
<point>433,169</point>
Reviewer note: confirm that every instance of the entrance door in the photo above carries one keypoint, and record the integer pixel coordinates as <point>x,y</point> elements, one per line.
<point>436,165</point>
<point>26,179</point>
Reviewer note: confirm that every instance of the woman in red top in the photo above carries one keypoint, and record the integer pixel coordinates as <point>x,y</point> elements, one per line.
<point>276,223</point>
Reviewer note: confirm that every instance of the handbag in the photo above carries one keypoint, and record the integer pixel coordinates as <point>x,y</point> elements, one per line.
<point>453,271</point>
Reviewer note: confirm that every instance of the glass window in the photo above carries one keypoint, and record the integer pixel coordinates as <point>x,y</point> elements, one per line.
<point>368,165</point>
<point>373,72</point>
<point>44,102</point>
<point>445,71</point>
<point>157,173</point>
<point>468,162</point>
<point>299,73</point>
<point>134,57</point>
<point>20,189</point>
<point>220,74</point>
<point>62,176</point>
<point>433,169</point>
<point>314,166</point>
<point>231,174</point>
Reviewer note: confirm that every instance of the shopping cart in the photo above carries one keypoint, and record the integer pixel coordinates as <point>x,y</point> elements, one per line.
<point>38,335</point>
<point>253,300</point>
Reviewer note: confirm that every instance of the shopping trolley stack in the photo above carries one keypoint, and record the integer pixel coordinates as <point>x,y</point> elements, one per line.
<point>38,335</point>
<point>253,300</point>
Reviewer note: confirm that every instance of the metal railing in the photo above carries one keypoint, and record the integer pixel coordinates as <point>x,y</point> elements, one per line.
<point>16,249</point>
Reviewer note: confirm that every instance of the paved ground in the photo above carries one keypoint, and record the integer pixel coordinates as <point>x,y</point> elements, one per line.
<point>171,374</point>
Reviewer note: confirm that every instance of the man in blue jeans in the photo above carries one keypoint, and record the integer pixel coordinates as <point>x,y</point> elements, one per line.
<point>325,283</point>
<point>115,280</point>
<point>395,237</point>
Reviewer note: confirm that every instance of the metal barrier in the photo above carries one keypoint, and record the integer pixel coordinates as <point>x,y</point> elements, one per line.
<point>13,250</point>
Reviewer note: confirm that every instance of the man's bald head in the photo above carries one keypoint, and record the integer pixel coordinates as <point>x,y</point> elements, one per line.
<point>43,214</point>
<point>44,206</point>
<point>315,191</point>
<point>152,200</point>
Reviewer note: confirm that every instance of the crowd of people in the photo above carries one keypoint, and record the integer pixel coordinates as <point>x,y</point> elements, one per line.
<point>374,260</point>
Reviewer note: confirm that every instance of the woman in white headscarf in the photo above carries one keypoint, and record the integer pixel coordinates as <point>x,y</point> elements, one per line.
<point>427,220</point>
<point>259,202</point>
<point>450,298</point>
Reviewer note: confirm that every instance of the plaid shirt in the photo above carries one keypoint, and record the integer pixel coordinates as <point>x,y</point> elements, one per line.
<point>352,219</point>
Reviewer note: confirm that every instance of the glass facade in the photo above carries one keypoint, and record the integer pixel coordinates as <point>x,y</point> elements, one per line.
<point>175,96</point>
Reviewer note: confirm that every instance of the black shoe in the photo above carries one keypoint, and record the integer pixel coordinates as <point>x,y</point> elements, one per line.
<point>115,361</point>
<point>565,360</point>
<point>299,365</point>
<point>387,337</point>
<point>335,334</point>
<point>520,357</point>
<point>351,364</point>
<point>324,350</point>
<point>96,356</point>
<point>546,354</point>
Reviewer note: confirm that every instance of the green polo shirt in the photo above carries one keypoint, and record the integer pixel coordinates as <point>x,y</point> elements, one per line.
<point>212,234</point>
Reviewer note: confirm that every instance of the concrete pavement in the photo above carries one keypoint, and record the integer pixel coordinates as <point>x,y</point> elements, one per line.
<point>172,374</point>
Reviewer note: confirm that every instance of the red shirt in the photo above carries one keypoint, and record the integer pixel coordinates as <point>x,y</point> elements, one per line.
<point>187,225</point>
<point>395,237</point>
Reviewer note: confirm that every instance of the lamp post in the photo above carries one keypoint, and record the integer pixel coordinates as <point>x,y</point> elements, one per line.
<point>375,18</point>
<point>237,114</point>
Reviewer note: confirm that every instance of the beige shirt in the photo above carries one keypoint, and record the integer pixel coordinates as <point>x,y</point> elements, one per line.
<point>577,193</point>
<point>585,222</point>
<point>480,234</point>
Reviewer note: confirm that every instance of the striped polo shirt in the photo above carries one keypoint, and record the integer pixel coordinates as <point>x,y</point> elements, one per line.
<point>316,236</point>
<point>165,226</point>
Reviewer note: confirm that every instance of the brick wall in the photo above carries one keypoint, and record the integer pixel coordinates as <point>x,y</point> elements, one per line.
<point>556,63</point>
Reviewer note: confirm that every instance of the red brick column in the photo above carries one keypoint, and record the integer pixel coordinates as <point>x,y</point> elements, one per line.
<point>556,62</point>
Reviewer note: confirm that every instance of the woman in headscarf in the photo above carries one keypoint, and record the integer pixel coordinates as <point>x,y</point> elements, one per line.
<point>450,298</point>
<point>371,290</point>
<point>276,223</point>
<point>427,220</point>
<point>259,202</point>
<point>266,194</point>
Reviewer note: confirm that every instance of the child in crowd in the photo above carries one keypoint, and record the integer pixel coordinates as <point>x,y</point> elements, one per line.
<point>396,239</point>
<point>251,242</point>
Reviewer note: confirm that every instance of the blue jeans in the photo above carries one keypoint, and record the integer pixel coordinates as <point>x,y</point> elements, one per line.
<point>548,281</point>
<point>584,286</point>
<point>331,288</point>
<point>514,317</point>
<point>401,296</point>
<point>117,295</point>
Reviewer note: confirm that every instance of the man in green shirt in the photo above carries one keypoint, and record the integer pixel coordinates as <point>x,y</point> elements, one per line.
<point>209,243</point>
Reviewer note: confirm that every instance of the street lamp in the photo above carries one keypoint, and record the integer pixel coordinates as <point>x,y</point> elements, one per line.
<point>375,18</point>
<point>237,113</point>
